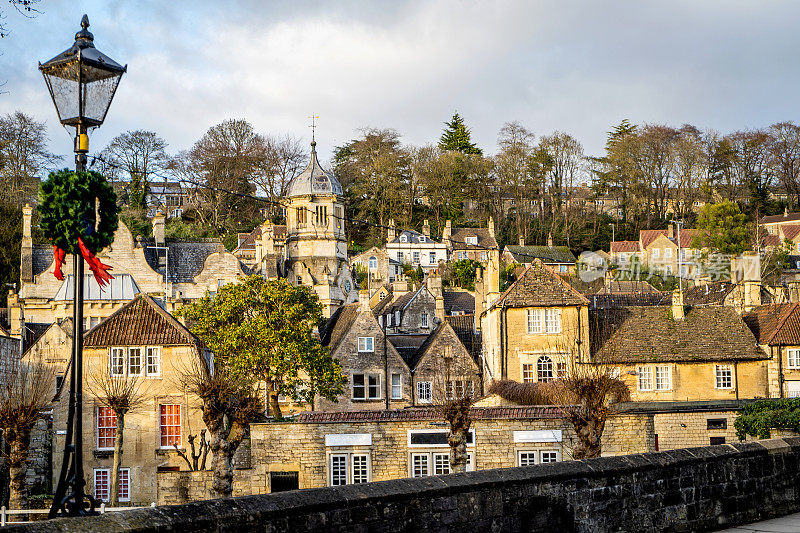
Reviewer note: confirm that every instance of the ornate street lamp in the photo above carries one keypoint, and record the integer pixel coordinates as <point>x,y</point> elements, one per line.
<point>82,82</point>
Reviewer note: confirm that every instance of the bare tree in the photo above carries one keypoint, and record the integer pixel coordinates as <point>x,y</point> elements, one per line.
<point>513,168</point>
<point>26,391</point>
<point>23,156</point>
<point>199,452</point>
<point>230,403</point>
<point>453,399</point>
<point>26,8</point>
<point>121,394</point>
<point>285,157</point>
<point>140,154</point>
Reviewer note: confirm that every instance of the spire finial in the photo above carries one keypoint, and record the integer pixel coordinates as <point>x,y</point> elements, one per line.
<point>84,37</point>
<point>85,21</point>
<point>313,127</point>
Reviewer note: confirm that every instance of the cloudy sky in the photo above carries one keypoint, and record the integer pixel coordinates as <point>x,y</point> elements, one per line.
<point>574,66</point>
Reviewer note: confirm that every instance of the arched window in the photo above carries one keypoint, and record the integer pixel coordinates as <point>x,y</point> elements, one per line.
<point>373,263</point>
<point>544,369</point>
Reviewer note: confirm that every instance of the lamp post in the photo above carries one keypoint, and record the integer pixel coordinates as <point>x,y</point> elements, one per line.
<point>82,82</point>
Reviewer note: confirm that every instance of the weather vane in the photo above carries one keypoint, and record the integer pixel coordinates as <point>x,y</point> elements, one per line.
<point>313,126</point>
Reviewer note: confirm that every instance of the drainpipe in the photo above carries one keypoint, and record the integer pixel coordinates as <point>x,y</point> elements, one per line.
<point>780,368</point>
<point>503,341</point>
<point>579,342</point>
<point>736,377</point>
<point>387,378</point>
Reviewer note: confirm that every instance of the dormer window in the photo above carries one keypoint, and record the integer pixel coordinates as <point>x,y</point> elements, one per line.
<point>373,263</point>
<point>403,238</point>
<point>472,239</point>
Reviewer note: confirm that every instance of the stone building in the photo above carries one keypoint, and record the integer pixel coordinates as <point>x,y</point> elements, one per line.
<point>413,312</point>
<point>469,243</point>
<point>263,250</point>
<point>777,330</point>
<point>379,266</point>
<point>144,344</point>
<point>679,353</point>
<point>559,258</point>
<point>535,329</point>
<point>176,270</point>
<point>414,248</point>
<point>316,243</point>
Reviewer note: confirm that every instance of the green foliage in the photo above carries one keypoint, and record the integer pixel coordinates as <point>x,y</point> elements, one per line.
<point>462,273</point>
<point>757,419</point>
<point>457,137</point>
<point>176,228</point>
<point>507,275</point>
<point>264,330</point>
<point>10,243</point>
<point>137,222</point>
<point>722,228</point>
<point>69,203</point>
<point>361,274</point>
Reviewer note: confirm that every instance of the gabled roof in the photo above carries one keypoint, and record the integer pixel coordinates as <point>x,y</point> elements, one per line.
<point>485,239</point>
<point>624,246</point>
<point>462,301</point>
<point>338,325</point>
<point>548,254</point>
<point>464,328</point>
<point>413,237</point>
<point>774,325</point>
<point>647,236</point>
<point>185,258</point>
<point>790,231</point>
<point>649,334</point>
<point>313,179</point>
<point>711,293</point>
<point>771,240</point>
<point>627,287</point>
<point>539,286</point>
<point>42,258</point>
<point>772,219</point>
<point>141,322</point>
<point>408,346</point>
<point>402,301</point>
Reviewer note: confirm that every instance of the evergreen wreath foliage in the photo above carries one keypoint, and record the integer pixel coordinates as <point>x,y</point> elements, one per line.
<point>69,202</point>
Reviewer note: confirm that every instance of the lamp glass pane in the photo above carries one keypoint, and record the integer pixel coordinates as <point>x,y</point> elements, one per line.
<point>98,90</point>
<point>63,83</point>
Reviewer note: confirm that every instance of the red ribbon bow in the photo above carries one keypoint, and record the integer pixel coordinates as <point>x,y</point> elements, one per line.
<point>99,270</point>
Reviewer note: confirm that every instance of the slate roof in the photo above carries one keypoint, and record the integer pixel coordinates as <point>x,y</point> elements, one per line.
<point>712,293</point>
<point>408,346</point>
<point>548,254</point>
<point>401,415</point>
<point>33,332</point>
<point>649,334</point>
<point>464,327</point>
<point>624,246</point>
<point>42,258</point>
<point>614,301</point>
<point>185,258</point>
<point>485,239</point>
<point>313,179</point>
<point>777,324</point>
<point>338,325</point>
<point>381,305</point>
<point>458,301</point>
<point>413,237</point>
<point>141,322</point>
<point>539,286</point>
<point>789,217</point>
<point>279,232</point>
<point>401,302</point>
<point>627,287</point>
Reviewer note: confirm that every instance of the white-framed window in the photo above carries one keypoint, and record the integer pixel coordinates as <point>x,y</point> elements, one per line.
<point>527,457</point>
<point>528,373</point>
<point>472,239</point>
<point>348,468</point>
<point>170,427</point>
<point>544,369</point>
<point>397,387</point>
<point>424,391</point>
<point>724,376</point>
<point>544,321</point>
<point>668,270</point>
<point>430,463</point>
<point>403,238</point>
<point>102,484</point>
<point>663,378</point>
<point>462,255</point>
<point>116,362</point>
<point>645,378</point>
<point>420,464</point>
<point>423,320</point>
<point>299,280</point>
<point>548,456</point>
<point>561,370</point>
<point>400,256</point>
<point>483,256</point>
<point>793,358</point>
<point>135,361</point>
<point>441,464</point>
<point>415,257</point>
<point>793,389</point>
<point>106,428</point>
<point>366,344</point>
<point>459,388</point>
<point>667,253</point>
<point>373,263</point>
<point>656,253</point>
<point>432,258</point>
<point>153,360</point>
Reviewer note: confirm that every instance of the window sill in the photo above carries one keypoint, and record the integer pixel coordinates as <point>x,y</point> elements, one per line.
<point>104,454</point>
<point>166,450</point>
<point>367,399</point>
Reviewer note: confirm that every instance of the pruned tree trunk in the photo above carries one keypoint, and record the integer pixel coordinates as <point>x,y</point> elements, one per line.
<point>274,405</point>
<point>114,496</point>
<point>221,466</point>
<point>17,470</point>
<point>458,449</point>
<point>589,432</point>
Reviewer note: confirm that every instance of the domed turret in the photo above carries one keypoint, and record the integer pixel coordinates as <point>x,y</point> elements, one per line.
<point>314,179</point>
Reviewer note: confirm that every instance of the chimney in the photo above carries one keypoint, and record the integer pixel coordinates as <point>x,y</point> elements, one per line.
<point>550,239</point>
<point>447,233</point>
<point>671,232</point>
<point>785,211</point>
<point>522,240</point>
<point>491,226</point>
<point>391,232</point>
<point>158,228</point>
<point>677,305</point>
<point>26,259</point>
<point>426,228</point>
<point>363,301</point>
<point>493,276</point>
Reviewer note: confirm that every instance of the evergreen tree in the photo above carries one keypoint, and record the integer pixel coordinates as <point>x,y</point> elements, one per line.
<point>457,137</point>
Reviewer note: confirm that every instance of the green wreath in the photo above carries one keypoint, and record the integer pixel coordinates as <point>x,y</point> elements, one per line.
<point>69,203</point>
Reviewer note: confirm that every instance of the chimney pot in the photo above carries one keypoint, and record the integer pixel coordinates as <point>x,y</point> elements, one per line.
<point>677,305</point>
